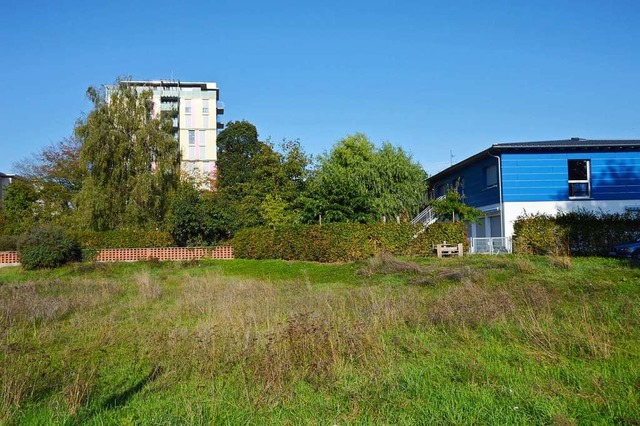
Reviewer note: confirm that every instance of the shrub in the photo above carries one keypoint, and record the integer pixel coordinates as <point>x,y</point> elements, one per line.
<point>47,247</point>
<point>437,233</point>
<point>538,234</point>
<point>583,232</point>
<point>8,243</point>
<point>123,239</point>
<point>595,233</point>
<point>340,242</point>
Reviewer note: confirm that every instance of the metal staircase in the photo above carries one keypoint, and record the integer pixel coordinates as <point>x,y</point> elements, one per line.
<point>426,216</point>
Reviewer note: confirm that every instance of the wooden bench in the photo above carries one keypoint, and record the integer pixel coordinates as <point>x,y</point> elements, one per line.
<point>445,249</point>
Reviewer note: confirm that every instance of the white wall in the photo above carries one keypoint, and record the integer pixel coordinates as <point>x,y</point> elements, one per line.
<point>513,210</point>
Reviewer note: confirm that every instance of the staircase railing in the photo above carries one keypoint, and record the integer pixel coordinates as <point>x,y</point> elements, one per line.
<point>426,216</point>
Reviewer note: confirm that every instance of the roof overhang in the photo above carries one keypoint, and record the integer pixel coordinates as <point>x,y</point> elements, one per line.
<point>572,145</point>
<point>172,83</point>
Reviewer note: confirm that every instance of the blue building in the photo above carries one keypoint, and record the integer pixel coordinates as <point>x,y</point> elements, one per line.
<point>508,180</point>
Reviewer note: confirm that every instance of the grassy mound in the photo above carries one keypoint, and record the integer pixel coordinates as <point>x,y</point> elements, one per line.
<point>489,340</point>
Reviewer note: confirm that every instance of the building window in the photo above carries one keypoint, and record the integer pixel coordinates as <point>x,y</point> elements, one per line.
<point>491,176</point>
<point>579,178</point>
<point>202,143</point>
<point>187,121</point>
<point>187,106</point>
<point>205,106</point>
<point>192,137</point>
<point>205,121</point>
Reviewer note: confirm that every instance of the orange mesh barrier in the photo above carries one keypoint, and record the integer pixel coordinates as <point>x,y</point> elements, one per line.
<point>9,257</point>
<point>164,253</point>
<point>133,254</point>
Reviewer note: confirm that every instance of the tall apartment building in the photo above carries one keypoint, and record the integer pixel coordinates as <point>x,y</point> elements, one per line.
<point>196,125</point>
<point>5,180</point>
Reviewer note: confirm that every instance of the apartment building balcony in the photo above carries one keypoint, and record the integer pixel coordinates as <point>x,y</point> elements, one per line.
<point>168,106</point>
<point>170,94</point>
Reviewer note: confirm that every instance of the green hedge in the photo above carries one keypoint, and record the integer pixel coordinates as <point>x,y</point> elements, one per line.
<point>123,239</point>
<point>342,241</point>
<point>539,234</point>
<point>8,243</point>
<point>47,247</point>
<point>583,233</point>
<point>437,233</point>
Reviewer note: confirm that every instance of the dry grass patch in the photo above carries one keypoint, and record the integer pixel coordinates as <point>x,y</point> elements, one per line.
<point>77,392</point>
<point>560,261</point>
<point>472,304</point>
<point>269,330</point>
<point>48,300</point>
<point>385,263</point>
<point>148,288</point>
<point>525,266</point>
<point>14,389</point>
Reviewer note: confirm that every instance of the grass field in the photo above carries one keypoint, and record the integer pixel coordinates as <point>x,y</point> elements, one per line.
<point>477,340</point>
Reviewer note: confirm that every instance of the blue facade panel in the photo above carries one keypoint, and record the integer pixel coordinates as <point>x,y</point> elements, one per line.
<point>476,191</point>
<point>540,176</point>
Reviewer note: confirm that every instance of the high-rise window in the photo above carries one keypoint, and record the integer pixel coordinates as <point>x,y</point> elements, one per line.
<point>579,178</point>
<point>205,106</point>
<point>192,137</point>
<point>187,113</point>
<point>203,144</point>
<point>205,120</point>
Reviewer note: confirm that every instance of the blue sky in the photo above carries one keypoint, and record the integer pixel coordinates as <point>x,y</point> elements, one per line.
<point>432,77</point>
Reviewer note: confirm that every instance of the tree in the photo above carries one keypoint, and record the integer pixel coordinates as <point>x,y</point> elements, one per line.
<point>198,217</point>
<point>356,182</point>
<point>132,158</point>
<point>343,183</point>
<point>276,211</point>
<point>20,210</point>
<point>452,206</point>
<point>258,183</point>
<point>237,144</point>
<point>56,174</point>
<point>402,183</point>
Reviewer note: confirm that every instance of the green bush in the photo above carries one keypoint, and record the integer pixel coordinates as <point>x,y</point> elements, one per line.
<point>437,233</point>
<point>539,234</point>
<point>8,243</point>
<point>47,247</point>
<point>340,242</point>
<point>123,239</point>
<point>595,233</point>
<point>583,232</point>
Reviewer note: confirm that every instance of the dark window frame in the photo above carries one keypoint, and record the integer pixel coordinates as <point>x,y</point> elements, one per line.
<point>487,174</point>
<point>579,178</point>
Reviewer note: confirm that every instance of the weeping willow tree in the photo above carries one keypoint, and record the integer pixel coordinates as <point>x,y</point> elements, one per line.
<point>357,182</point>
<point>132,159</point>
